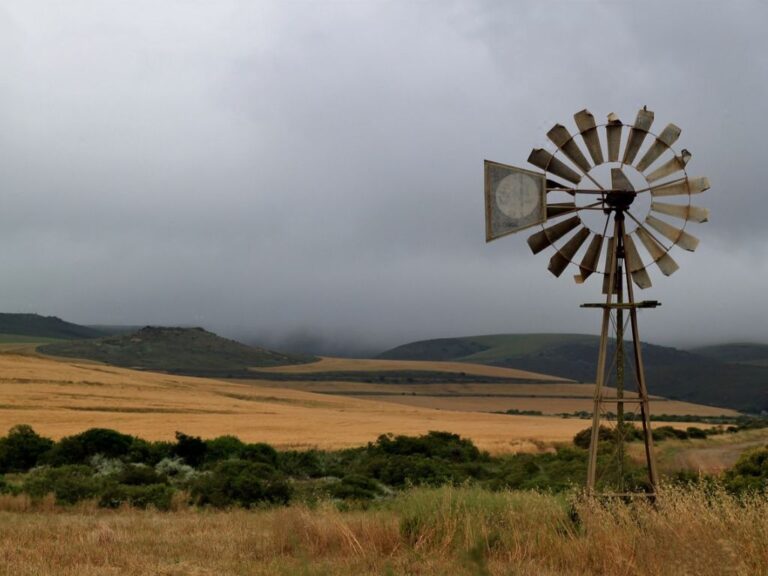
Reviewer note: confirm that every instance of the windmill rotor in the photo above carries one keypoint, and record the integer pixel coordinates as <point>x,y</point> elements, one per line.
<point>569,187</point>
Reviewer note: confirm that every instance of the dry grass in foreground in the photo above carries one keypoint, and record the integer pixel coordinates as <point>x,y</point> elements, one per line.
<point>425,532</point>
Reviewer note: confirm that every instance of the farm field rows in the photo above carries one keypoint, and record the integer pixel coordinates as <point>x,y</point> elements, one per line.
<point>326,364</point>
<point>59,398</point>
<point>62,397</point>
<point>552,396</point>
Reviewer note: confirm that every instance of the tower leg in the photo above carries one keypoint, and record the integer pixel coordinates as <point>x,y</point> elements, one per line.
<point>642,390</point>
<point>601,360</point>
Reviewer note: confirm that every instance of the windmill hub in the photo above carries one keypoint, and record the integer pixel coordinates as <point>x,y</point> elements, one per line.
<point>619,200</point>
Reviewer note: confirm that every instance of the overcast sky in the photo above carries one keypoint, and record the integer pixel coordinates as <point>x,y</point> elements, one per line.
<point>315,169</point>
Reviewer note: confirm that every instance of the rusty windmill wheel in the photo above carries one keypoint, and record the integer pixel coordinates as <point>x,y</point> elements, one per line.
<point>595,209</point>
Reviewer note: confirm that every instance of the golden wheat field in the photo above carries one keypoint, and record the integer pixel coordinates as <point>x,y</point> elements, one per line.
<point>547,404</point>
<point>60,397</point>
<point>65,397</point>
<point>326,364</point>
<point>553,396</point>
<point>425,532</point>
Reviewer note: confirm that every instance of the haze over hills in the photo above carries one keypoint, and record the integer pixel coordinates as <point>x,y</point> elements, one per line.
<point>712,376</point>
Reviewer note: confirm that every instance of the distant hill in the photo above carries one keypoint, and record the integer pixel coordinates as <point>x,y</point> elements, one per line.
<point>114,329</point>
<point>191,351</point>
<point>751,354</point>
<point>45,327</point>
<point>712,378</point>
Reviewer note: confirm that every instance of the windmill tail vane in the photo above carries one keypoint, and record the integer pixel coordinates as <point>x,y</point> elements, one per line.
<point>627,208</point>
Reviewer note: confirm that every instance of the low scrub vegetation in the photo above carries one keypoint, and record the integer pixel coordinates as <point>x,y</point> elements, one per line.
<point>116,469</point>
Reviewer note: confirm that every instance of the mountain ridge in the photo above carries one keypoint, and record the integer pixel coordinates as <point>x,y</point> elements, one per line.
<point>49,327</point>
<point>670,372</point>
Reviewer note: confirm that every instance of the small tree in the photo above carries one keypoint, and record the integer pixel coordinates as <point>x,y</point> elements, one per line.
<point>80,448</point>
<point>190,448</point>
<point>22,448</point>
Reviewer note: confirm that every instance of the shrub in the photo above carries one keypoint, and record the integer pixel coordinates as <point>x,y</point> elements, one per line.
<point>80,448</point>
<point>694,432</point>
<point>355,487</point>
<point>223,448</point>
<point>176,471</point>
<point>302,464</point>
<point>159,496</point>
<point>606,436</point>
<point>139,475</point>
<point>69,483</point>
<point>558,471</point>
<point>240,482</point>
<point>191,449</point>
<point>261,452</point>
<point>106,466</point>
<point>665,432</point>
<point>443,445</point>
<point>148,452</point>
<point>22,448</point>
<point>750,473</point>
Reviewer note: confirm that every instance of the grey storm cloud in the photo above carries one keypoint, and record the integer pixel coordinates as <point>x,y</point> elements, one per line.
<point>300,171</point>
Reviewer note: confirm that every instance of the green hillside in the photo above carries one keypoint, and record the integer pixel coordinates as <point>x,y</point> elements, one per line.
<point>714,379</point>
<point>36,328</point>
<point>192,351</point>
<point>737,353</point>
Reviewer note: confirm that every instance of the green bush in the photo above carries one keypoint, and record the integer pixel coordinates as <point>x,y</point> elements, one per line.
<point>302,464</point>
<point>80,448</point>
<point>559,471</point>
<point>606,436</point>
<point>223,448</point>
<point>22,448</point>
<point>240,482</point>
<point>443,445</point>
<point>176,472</point>
<point>431,459</point>
<point>694,432</point>
<point>139,475</point>
<point>69,483</point>
<point>146,452</point>
<point>191,449</point>
<point>356,487</point>
<point>158,496</point>
<point>668,432</point>
<point>750,473</point>
<point>261,452</point>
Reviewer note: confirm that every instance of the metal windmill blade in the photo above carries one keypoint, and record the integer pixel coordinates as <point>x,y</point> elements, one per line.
<point>585,122</point>
<point>684,212</point>
<point>663,142</point>
<point>637,134</point>
<point>672,166</point>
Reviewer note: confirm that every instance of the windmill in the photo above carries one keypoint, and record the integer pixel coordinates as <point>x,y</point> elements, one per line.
<point>595,212</point>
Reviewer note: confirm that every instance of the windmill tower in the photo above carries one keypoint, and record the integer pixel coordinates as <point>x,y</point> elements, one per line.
<point>593,213</point>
